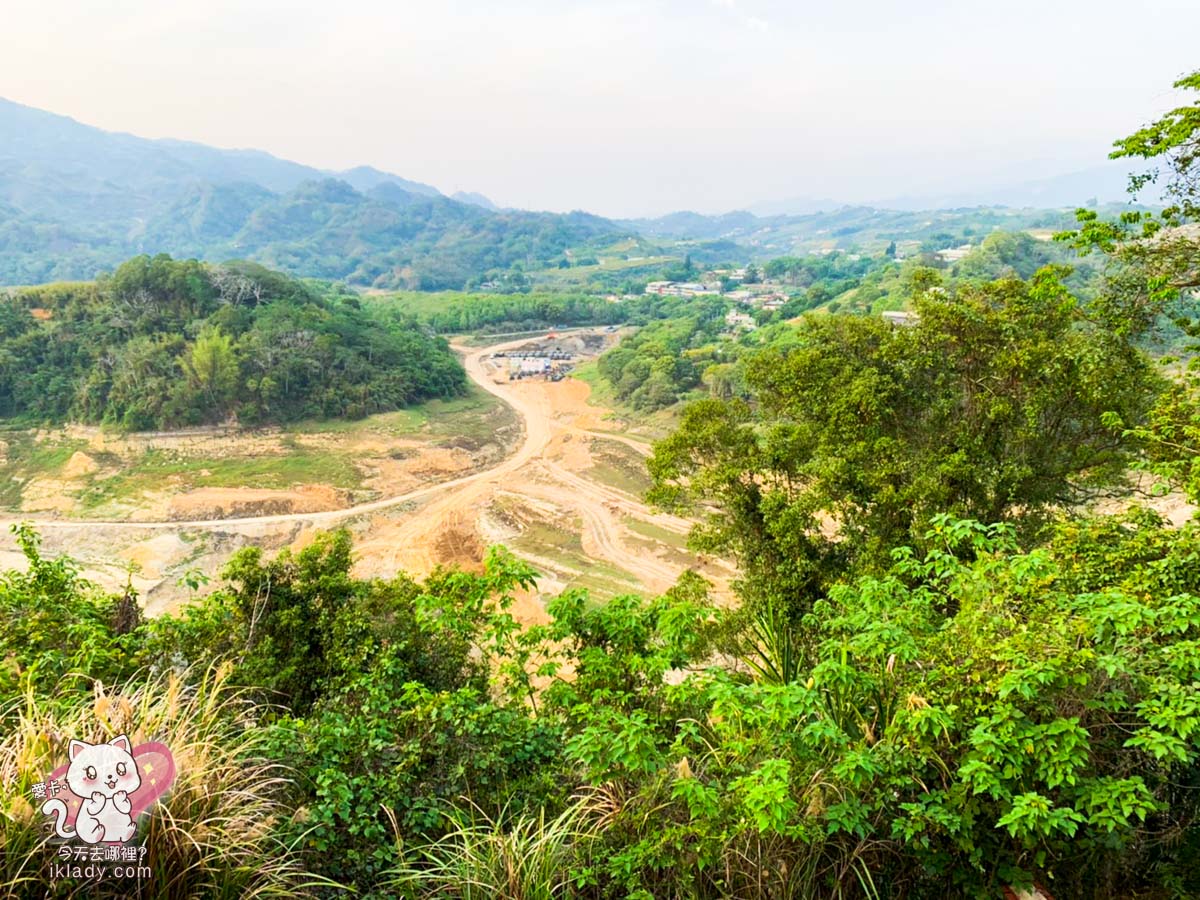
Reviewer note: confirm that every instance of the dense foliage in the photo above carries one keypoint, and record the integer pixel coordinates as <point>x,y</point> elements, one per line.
<point>962,719</point>
<point>1152,273</point>
<point>451,313</point>
<point>989,406</point>
<point>161,343</point>
<point>664,359</point>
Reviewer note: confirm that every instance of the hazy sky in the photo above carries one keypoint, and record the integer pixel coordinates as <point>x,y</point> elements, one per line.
<point>619,107</point>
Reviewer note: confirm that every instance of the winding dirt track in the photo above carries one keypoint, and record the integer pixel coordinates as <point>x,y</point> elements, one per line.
<point>537,435</point>
<point>533,471</point>
<point>450,511</point>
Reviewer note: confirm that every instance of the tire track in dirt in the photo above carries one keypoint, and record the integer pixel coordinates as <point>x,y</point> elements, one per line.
<point>438,523</point>
<point>474,368</point>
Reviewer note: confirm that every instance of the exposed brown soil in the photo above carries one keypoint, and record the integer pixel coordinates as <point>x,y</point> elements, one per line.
<point>223,503</point>
<point>438,505</point>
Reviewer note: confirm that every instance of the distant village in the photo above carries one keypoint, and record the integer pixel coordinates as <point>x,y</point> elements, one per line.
<point>764,294</point>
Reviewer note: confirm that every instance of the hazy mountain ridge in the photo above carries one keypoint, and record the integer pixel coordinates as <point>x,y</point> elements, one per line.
<point>865,228</point>
<point>76,199</point>
<point>475,199</point>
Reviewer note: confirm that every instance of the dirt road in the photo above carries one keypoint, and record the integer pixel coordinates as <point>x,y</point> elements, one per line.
<point>432,525</point>
<point>537,470</point>
<point>535,435</point>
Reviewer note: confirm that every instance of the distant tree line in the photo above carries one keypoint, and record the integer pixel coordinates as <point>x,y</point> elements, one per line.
<point>459,313</point>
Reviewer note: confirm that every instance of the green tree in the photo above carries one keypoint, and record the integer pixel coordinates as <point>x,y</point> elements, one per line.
<point>1175,139</point>
<point>213,363</point>
<point>972,717</point>
<point>1151,279</point>
<point>990,407</point>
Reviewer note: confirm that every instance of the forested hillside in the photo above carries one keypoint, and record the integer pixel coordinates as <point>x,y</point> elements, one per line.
<point>946,670</point>
<point>162,343</point>
<point>848,227</point>
<point>76,200</point>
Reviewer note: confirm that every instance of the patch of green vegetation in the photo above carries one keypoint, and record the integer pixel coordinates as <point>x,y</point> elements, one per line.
<point>584,276</point>
<point>478,416</point>
<point>448,416</point>
<point>654,548</point>
<point>302,465</point>
<point>603,582</point>
<point>26,458</point>
<point>469,422</point>
<point>619,466</point>
<point>458,313</point>
<point>552,541</point>
<point>633,423</point>
<point>202,343</point>
<point>656,533</point>
<point>589,373</point>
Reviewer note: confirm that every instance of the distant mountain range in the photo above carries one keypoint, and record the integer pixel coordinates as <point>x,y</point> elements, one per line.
<point>76,200</point>
<point>1101,184</point>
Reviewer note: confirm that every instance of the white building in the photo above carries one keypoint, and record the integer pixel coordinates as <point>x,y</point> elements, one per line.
<point>739,321</point>
<point>681,288</point>
<point>900,317</point>
<point>954,254</point>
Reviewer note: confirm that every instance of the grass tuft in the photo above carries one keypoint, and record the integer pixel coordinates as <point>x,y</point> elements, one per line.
<point>481,858</point>
<point>211,836</point>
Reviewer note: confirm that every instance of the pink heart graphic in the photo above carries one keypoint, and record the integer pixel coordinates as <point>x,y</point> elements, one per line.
<point>156,766</point>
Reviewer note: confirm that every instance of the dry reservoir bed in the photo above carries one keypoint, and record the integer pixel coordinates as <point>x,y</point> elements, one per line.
<point>526,461</point>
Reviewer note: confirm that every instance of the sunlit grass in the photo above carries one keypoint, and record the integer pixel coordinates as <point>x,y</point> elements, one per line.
<point>212,835</point>
<point>482,858</point>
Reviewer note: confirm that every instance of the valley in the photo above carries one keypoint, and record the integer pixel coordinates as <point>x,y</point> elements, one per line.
<point>364,539</point>
<point>529,463</point>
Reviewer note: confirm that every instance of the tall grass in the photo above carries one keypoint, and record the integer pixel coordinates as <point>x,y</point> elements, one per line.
<point>535,858</point>
<point>211,836</point>
<point>481,858</point>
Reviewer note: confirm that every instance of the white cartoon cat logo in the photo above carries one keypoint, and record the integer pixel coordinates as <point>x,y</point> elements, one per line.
<point>102,776</point>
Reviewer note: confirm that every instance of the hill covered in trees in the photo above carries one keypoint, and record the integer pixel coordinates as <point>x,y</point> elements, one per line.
<point>75,200</point>
<point>947,673</point>
<point>162,343</point>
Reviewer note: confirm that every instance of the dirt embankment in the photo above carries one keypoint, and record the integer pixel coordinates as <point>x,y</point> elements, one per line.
<point>587,524</point>
<point>220,474</point>
<point>225,503</point>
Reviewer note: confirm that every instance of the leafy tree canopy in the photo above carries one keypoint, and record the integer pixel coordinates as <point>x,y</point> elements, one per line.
<point>990,406</point>
<point>161,343</point>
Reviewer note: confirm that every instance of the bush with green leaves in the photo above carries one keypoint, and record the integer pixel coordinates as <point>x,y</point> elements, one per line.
<point>991,406</point>
<point>974,716</point>
<point>377,692</point>
<point>977,716</point>
<point>57,625</point>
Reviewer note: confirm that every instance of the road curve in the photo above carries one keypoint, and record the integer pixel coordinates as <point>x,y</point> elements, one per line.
<point>537,432</point>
